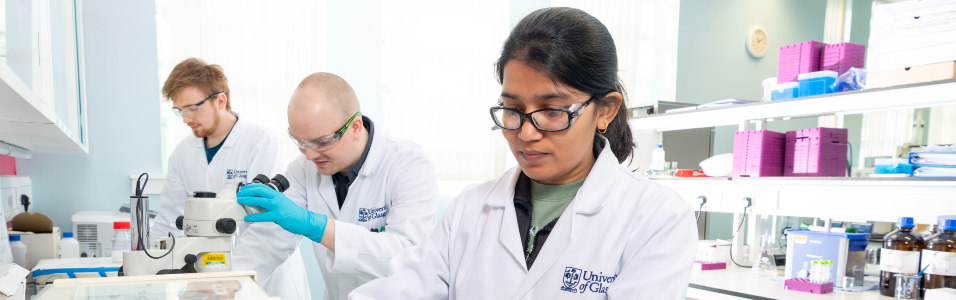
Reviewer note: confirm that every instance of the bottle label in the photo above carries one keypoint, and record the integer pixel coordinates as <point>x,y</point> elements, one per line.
<point>940,263</point>
<point>898,261</point>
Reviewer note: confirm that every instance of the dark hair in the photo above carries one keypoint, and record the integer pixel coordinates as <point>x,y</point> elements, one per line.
<point>572,47</point>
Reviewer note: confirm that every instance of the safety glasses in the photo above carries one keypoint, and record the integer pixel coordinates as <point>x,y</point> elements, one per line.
<point>325,142</point>
<point>189,111</point>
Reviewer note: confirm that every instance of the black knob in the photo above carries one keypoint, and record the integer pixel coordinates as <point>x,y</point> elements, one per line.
<point>226,225</point>
<point>201,194</point>
<point>190,258</point>
<point>179,222</point>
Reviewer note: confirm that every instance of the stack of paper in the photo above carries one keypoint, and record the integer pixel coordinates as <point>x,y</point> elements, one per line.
<point>933,164</point>
<point>718,103</point>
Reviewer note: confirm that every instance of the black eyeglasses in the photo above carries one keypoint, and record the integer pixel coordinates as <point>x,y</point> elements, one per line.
<point>548,119</point>
<point>189,111</point>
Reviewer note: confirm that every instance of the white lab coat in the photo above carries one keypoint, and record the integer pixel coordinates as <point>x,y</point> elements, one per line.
<point>622,237</point>
<point>249,150</point>
<point>395,188</point>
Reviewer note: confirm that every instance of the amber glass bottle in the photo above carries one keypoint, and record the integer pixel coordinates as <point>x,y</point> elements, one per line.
<point>900,255</point>
<point>940,251</point>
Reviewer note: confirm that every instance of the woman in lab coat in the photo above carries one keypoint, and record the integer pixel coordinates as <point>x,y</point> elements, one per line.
<point>569,220</point>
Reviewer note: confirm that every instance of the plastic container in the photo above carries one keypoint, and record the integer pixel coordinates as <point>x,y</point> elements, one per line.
<point>657,158</point>
<point>798,59</point>
<point>900,255</point>
<point>758,153</point>
<point>816,83</point>
<point>121,241</point>
<point>893,166</point>
<point>816,152</point>
<point>940,255</point>
<point>768,85</point>
<point>68,246</point>
<point>843,56</point>
<point>783,91</point>
<point>19,251</point>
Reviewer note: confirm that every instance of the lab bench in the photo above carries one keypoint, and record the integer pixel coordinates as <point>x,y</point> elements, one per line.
<point>738,283</point>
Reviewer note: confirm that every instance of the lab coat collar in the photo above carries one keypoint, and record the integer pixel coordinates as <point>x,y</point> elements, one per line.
<point>231,138</point>
<point>375,153</point>
<point>590,198</point>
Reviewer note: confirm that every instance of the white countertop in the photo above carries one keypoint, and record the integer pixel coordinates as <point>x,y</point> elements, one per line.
<point>737,281</point>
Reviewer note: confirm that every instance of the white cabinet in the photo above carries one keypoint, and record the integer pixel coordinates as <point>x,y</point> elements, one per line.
<point>42,107</point>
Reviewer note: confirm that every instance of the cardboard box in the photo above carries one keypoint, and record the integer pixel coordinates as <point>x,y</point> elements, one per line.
<point>40,245</point>
<point>924,73</point>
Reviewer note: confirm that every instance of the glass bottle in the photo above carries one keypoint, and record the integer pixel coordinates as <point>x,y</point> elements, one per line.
<point>121,241</point>
<point>900,255</point>
<point>940,252</point>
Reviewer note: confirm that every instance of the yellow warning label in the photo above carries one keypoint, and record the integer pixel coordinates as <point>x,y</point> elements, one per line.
<point>800,239</point>
<point>214,260</point>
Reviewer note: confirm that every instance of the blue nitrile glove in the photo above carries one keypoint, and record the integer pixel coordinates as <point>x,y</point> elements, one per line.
<point>282,211</point>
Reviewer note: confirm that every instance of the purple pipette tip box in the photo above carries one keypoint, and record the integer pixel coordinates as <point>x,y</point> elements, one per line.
<point>803,285</point>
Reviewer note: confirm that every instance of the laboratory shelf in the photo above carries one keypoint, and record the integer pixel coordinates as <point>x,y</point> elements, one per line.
<point>27,122</point>
<point>737,283</point>
<point>898,97</point>
<point>871,199</point>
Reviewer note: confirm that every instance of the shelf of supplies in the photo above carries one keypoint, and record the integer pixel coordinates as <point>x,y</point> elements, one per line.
<point>738,283</point>
<point>27,122</point>
<point>873,199</point>
<point>906,96</point>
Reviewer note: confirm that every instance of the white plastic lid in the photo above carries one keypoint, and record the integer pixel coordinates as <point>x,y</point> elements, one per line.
<point>818,74</point>
<point>890,161</point>
<point>783,86</point>
<point>769,81</point>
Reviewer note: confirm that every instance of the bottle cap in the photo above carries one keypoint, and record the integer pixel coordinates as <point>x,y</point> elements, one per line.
<point>120,225</point>
<point>14,238</point>
<point>660,146</point>
<point>67,234</point>
<point>905,222</point>
<point>947,224</point>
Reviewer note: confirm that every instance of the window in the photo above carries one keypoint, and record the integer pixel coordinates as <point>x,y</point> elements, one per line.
<point>264,48</point>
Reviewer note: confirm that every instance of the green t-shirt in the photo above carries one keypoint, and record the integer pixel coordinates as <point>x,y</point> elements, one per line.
<point>548,203</point>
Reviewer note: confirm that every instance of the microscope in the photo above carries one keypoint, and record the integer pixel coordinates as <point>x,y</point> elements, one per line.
<point>209,222</point>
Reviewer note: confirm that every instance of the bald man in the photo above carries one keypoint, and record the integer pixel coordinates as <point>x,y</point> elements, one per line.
<point>360,196</point>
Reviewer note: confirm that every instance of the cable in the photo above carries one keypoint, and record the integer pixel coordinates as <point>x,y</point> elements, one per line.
<point>744,217</point>
<point>700,212</point>
<point>139,221</point>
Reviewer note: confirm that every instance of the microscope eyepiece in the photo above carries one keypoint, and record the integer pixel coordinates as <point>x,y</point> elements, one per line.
<point>278,183</point>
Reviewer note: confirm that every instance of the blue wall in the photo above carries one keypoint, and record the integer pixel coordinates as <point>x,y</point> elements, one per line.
<point>122,102</point>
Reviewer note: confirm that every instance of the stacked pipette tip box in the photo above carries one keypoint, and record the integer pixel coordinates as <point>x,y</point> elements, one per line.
<point>758,153</point>
<point>797,59</point>
<point>841,57</point>
<point>816,152</point>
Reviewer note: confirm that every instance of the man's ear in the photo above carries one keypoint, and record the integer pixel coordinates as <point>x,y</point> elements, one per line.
<point>356,127</point>
<point>221,101</point>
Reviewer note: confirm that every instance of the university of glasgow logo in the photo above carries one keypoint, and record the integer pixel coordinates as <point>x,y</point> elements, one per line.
<point>236,174</point>
<point>571,278</point>
<point>367,214</point>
